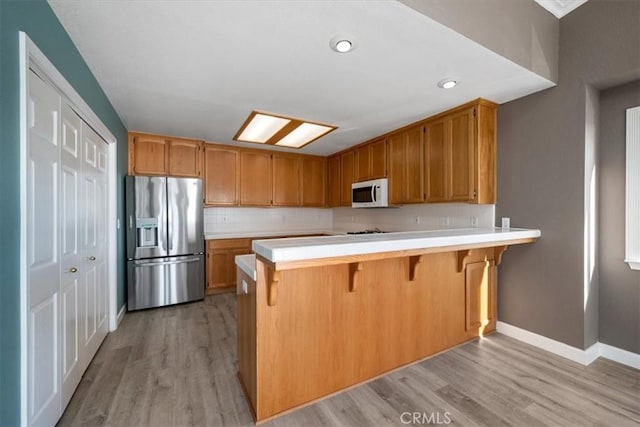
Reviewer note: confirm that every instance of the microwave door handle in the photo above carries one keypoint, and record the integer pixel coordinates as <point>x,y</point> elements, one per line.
<point>373,193</point>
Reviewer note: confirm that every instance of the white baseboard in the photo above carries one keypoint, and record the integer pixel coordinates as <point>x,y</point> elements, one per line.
<point>619,355</point>
<point>584,357</point>
<point>121,313</point>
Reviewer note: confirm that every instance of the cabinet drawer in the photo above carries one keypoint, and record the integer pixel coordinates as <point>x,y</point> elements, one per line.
<point>228,243</point>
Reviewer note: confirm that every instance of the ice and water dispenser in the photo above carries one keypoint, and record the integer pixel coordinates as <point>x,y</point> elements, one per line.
<point>147,232</point>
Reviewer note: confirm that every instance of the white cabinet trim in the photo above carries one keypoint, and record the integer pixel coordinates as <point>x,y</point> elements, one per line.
<point>632,255</point>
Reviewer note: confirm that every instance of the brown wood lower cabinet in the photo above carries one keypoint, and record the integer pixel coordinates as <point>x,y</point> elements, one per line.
<point>311,329</point>
<point>221,263</point>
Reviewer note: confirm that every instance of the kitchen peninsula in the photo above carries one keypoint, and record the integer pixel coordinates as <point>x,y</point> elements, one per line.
<point>318,315</point>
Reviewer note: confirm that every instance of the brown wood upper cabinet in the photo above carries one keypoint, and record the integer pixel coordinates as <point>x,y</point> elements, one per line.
<point>314,181</point>
<point>255,178</point>
<point>347,168</point>
<point>371,161</point>
<point>334,181</point>
<point>460,152</point>
<point>286,180</point>
<point>406,166</point>
<point>221,176</point>
<point>159,155</point>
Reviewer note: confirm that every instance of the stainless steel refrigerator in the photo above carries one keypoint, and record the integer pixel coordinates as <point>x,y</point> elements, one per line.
<point>165,241</point>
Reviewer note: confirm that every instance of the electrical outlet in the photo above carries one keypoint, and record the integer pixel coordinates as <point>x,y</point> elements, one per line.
<point>506,222</point>
<point>416,220</point>
<point>444,221</point>
<point>474,221</point>
<point>353,219</point>
<point>245,287</point>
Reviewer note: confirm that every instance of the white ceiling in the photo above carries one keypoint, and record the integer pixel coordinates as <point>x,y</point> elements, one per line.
<point>197,68</point>
<point>560,7</point>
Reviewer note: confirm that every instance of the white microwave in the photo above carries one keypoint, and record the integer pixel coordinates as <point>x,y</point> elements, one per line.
<point>370,194</point>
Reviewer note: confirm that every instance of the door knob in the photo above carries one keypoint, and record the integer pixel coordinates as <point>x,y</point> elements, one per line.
<point>73,270</point>
<point>92,258</point>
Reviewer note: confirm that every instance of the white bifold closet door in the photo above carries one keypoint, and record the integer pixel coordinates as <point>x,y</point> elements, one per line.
<point>66,247</point>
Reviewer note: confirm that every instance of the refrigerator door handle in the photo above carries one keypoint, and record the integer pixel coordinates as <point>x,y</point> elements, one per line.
<point>170,224</point>
<point>155,264</point>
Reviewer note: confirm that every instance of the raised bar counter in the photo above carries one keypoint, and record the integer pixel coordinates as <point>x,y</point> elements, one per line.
<point>319,315</point>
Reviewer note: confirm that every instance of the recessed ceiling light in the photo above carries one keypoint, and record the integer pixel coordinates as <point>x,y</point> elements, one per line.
<point>272,129</point>
<point>342,43</point>
<point>447,83</point>
<point>343,46</point>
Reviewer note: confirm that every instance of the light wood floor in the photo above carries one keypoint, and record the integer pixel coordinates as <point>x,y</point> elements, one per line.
<point>176,366</point>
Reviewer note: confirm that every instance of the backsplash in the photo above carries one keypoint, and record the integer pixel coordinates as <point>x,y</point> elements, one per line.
<point>414,217</point>
<point>405,218</point>
<point>260,220</point>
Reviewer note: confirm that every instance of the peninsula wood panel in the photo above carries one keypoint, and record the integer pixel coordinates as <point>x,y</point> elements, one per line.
<point>314,181</point>
<point>255,178</point>
<point>318,326</point>
<point>334,181</point>
<point>286,180</point>
<point>185,158</point>
<point>221,176</point>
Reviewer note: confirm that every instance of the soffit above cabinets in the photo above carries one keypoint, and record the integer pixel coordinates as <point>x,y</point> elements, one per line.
<point>197,69</point>
<point>560,8</point>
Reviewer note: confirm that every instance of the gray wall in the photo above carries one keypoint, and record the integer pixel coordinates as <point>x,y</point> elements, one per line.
<point>619,285</point>
<point>542,149</point>
<point>519,30</point>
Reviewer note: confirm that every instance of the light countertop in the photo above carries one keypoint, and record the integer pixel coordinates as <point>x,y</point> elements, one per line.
<point>259,234</point>
<point>307,248</point>
<point>247,263</point>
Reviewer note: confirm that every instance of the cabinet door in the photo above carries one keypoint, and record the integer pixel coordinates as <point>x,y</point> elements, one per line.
<point>347,167</point>
<point>217,268</point>
<point>150,155</point>
<point>221,176</point>
<point>255,178</point>
<point>378,159</point>
<point>334,182</point>
<point>221,267</point>
<point>184,158</point>
<point>414,165</point>
<point>395,144</point>
<point>314,178</point>
<point>461,165</point>
<point>362,164</point>
<point>480,298</point>
<point>286,180</point>
<point>436,160</point>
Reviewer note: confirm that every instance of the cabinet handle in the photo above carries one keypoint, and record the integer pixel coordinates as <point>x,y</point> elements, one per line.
<point>92,258</point>
<point>72,270</point>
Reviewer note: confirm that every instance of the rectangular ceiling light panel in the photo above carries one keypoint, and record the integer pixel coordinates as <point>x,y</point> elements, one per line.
<point>260,128</point>
<point>304,134</point>
<point>266,128</point>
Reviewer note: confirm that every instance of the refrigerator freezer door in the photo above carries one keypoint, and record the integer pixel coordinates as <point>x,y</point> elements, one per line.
<point>165,281</point>
<point>146,217</point>
<point>185,216</point>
